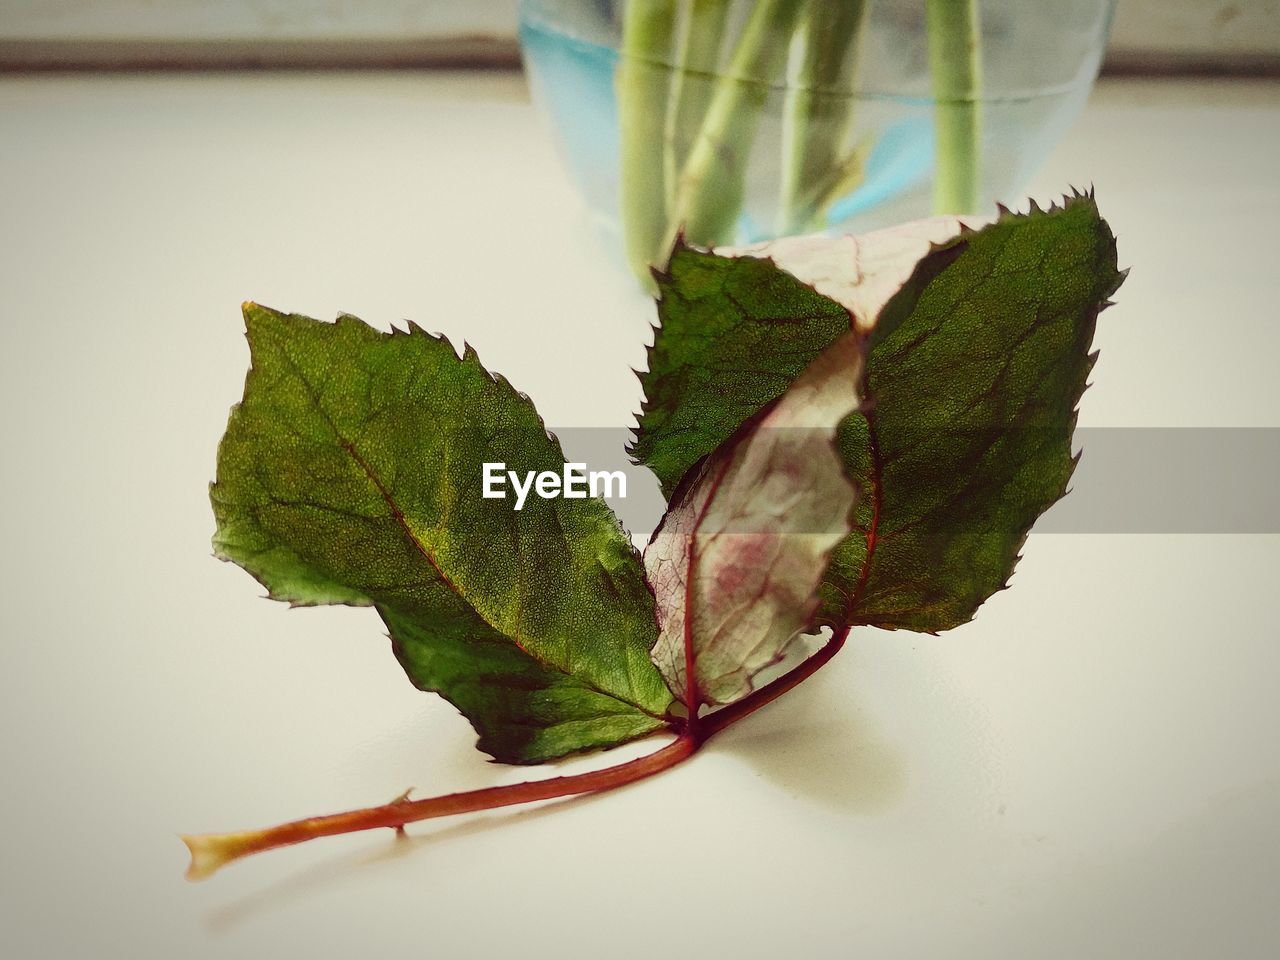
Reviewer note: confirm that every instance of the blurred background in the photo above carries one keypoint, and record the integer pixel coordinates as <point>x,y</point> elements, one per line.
<point>1150,36</point>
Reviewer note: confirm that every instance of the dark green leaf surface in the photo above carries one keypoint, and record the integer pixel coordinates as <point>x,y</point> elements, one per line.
<point>352,473</point>
<point>523,711</point>
<point>972,399</point>
<point>735,332</point>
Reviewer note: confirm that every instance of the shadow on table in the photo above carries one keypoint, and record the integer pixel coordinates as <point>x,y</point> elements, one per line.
<point>818,744</point>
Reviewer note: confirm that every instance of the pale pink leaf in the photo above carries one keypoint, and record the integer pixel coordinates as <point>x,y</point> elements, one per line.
<point>737,562</point>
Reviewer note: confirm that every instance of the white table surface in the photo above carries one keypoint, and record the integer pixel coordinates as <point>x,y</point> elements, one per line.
<point>1090,769</point>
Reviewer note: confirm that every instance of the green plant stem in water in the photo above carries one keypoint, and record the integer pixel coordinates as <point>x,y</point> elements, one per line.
<point>710,189</point>
<point>644,76</point>
<point>956,69</point>
<point>697,61</point>
<point>819,110</point>
<point>212,851</point>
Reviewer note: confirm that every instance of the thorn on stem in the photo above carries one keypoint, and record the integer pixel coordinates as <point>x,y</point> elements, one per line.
<point>402,797</point>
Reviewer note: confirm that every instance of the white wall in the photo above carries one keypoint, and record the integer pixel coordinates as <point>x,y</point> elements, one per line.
<point>1166,31</point>
<point>1198,28</point>
<point>252,19</point>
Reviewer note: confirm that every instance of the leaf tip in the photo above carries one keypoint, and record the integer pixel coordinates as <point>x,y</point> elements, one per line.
<point>250,312</point>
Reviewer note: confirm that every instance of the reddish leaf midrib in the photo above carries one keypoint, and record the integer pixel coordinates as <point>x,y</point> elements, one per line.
<point>877,477</point>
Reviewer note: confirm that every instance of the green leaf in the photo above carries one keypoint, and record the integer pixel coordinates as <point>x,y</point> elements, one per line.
<point>737,328</point>
<point>972,399</point>
<point>735,333</point>
<point>738,560</point>
<point>352,473</point>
